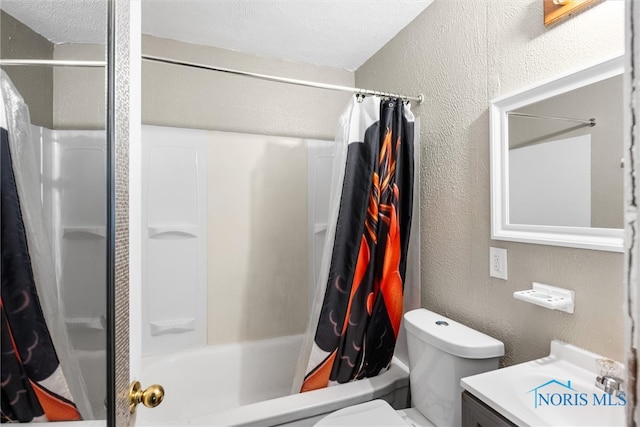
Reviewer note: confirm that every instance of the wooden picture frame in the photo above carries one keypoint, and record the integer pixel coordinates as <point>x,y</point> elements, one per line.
<point>558,10</point>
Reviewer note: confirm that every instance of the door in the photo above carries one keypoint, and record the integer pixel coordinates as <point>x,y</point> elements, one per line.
<point>128,291</point>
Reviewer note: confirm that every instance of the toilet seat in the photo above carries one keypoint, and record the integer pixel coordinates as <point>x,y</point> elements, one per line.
<point>374,413</point>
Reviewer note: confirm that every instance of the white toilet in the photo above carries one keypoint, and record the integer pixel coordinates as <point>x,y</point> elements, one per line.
<point>441,352</point>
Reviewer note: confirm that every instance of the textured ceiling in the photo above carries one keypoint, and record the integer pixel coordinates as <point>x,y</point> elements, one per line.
<point>62,21</point>
<point>340,34</point>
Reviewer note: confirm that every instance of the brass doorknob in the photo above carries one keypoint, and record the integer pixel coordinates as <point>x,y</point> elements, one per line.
<point>150,397</point>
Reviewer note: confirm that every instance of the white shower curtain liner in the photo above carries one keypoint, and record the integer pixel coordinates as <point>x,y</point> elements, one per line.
<point>337,179</point>
<point>353,122</point>
<point>14,116</point>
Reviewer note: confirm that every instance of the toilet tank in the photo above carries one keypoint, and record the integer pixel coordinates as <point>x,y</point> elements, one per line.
<point>441,352</point>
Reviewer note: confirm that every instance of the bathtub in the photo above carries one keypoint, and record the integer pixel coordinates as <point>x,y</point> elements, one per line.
<point>248,384</point>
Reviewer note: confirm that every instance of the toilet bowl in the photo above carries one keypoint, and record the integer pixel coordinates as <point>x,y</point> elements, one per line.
<point>441,352</point>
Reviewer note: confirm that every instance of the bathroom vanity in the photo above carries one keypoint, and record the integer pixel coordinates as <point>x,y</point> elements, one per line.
<point>555,390</point>
<point>476,413</point>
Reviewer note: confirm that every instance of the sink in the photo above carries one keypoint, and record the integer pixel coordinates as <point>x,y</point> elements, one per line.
<point>556,390</point>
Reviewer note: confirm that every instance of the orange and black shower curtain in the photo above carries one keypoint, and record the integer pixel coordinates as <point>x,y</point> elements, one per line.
<point>33,385</point>
<point>366,249</point>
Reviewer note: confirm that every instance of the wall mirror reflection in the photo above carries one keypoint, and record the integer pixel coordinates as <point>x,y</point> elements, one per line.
<point>54,191</point>
<point>557,153</point>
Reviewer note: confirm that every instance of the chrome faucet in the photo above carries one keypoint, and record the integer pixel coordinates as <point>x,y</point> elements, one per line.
<point>610,385</point>
<point>609,379</point>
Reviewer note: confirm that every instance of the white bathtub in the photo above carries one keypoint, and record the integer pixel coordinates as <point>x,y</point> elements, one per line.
<point>248,385</point>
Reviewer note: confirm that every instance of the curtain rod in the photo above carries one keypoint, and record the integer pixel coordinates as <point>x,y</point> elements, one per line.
<point>306,83</point>
<point>51,63</point>
<point>589,122</point>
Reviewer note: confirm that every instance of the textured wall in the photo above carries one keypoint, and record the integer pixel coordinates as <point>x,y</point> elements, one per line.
<point>79,93</point>
<point>462,54</point>
<point>185,97</point>
<point>58,97</point>
<point>35,84</point>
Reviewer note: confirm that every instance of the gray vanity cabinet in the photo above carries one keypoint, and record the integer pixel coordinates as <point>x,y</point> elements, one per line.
<point>476,414</point>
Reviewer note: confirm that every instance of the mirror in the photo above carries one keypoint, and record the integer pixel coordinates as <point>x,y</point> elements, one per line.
<point>58,160</point>
<point>556,161</point>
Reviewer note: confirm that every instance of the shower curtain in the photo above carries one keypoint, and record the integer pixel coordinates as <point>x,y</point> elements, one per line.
<point>39,374</point>
<point>359,297</point>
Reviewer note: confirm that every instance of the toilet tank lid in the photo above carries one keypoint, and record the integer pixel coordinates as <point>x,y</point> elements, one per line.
<point>450,336</point>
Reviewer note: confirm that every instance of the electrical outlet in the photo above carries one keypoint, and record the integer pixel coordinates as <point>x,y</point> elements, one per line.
<point>498,263</point>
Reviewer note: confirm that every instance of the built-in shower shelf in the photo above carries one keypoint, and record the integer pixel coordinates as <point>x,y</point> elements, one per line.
<point>86,323</point>
<point>84,231</point>
<point>319,227</point>
<point>173,231</point>
<point>173,326</point>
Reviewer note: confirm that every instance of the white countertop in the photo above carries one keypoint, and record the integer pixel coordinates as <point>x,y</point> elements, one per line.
<point>557,390</point>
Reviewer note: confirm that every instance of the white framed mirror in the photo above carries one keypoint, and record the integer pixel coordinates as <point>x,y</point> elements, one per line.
<point>556,161</point>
